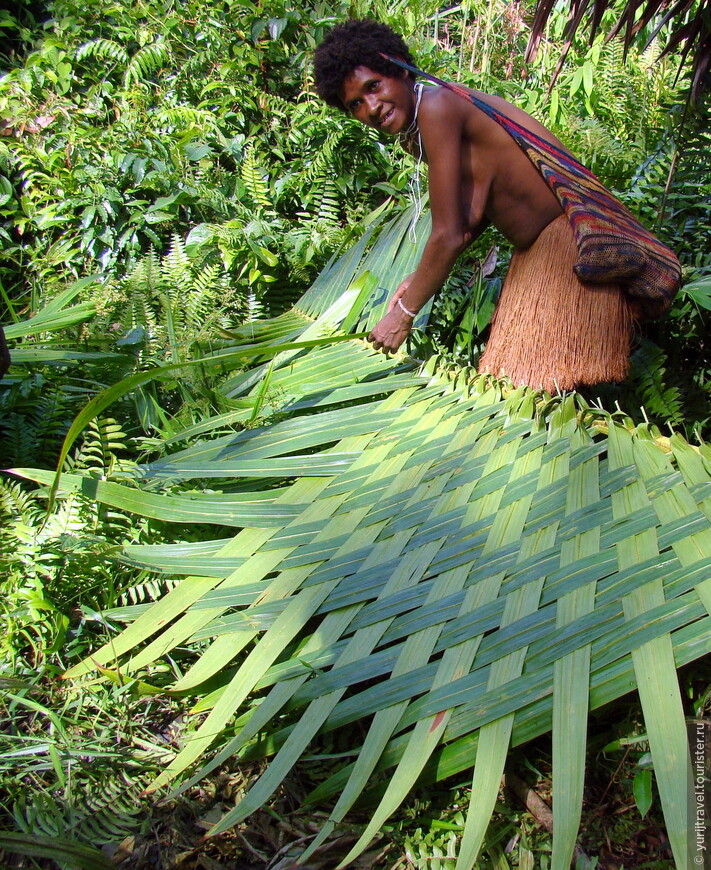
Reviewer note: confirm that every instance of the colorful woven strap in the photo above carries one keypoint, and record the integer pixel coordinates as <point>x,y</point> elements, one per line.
<point>612,244</point>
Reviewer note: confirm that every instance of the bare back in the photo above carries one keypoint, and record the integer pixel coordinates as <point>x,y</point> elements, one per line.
<point>497,181</point>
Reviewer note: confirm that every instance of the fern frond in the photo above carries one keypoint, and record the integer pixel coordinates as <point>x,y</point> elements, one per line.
<point>108,811</point>
<point>66,520</point>
<point>147,591</point>
<point>255,178</point>
<point>141,286</point>
<point>274,106</point>
<point>146,61</point>
<point>32,427</point>
<point>328,204</point>
<point>202,305</point>
<point>213,198</point>
<point>102,49</point>
<point>647,375</point>
<point>146,274</point>
<point>16,503</point>
<point>181,118</point>
<point>326,158</point>
<point>102,438</point>
<point>254,307</point>
<point>176,300</point>
<point>176,270</point>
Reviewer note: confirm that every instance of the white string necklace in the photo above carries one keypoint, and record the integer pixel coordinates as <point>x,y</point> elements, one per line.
<point>412,135</point>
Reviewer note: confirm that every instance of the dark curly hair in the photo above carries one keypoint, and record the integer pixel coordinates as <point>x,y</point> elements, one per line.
<point>354,43</point>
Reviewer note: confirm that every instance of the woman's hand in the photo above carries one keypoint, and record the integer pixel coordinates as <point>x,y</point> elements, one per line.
<point>390,332</point>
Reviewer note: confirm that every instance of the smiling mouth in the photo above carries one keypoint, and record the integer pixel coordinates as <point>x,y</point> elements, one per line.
<point>386,118</point>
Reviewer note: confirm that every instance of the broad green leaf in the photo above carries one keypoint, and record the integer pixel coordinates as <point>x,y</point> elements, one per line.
<point>642,791</point>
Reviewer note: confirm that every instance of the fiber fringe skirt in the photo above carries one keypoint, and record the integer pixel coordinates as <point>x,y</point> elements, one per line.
<point>550,331</point>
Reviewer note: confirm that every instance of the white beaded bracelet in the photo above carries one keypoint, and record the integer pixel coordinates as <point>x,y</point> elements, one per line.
<point>412,314</point>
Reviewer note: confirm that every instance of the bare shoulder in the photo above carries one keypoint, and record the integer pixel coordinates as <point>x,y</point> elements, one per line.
<point>516,114</point>
<point>439,104</point>
<point>445,115</point>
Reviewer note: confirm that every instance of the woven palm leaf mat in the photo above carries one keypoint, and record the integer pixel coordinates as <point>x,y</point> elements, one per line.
<point>458,564</point>
<point>458,567</point>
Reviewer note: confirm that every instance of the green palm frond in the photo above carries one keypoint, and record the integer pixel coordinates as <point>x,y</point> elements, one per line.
<point>56,315</point>
<point>54,848</point>
<point>458,567</point>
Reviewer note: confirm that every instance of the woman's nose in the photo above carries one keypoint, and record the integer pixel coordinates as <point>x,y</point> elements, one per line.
<point>372,104</point>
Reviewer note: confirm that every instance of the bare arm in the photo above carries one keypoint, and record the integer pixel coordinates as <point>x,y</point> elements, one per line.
<point>441,124</point>
<point>404,286</point>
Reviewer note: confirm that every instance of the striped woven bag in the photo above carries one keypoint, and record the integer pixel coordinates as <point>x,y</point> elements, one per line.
<point>612,244</point>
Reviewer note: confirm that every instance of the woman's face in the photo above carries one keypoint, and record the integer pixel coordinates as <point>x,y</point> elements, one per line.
<point>379,101</point>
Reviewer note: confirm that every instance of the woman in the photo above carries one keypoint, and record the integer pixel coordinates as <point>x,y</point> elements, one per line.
<point>550,330</point>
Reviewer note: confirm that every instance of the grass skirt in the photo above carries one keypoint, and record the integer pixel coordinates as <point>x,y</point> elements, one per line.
<point>549,329</point>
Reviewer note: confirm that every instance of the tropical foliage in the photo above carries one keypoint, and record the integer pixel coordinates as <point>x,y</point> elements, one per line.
<point>128,123</point>
<point>689,33</point>
<point>275,561</point>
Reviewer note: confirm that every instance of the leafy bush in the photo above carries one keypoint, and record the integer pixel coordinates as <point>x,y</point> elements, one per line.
<point>126,126</point>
